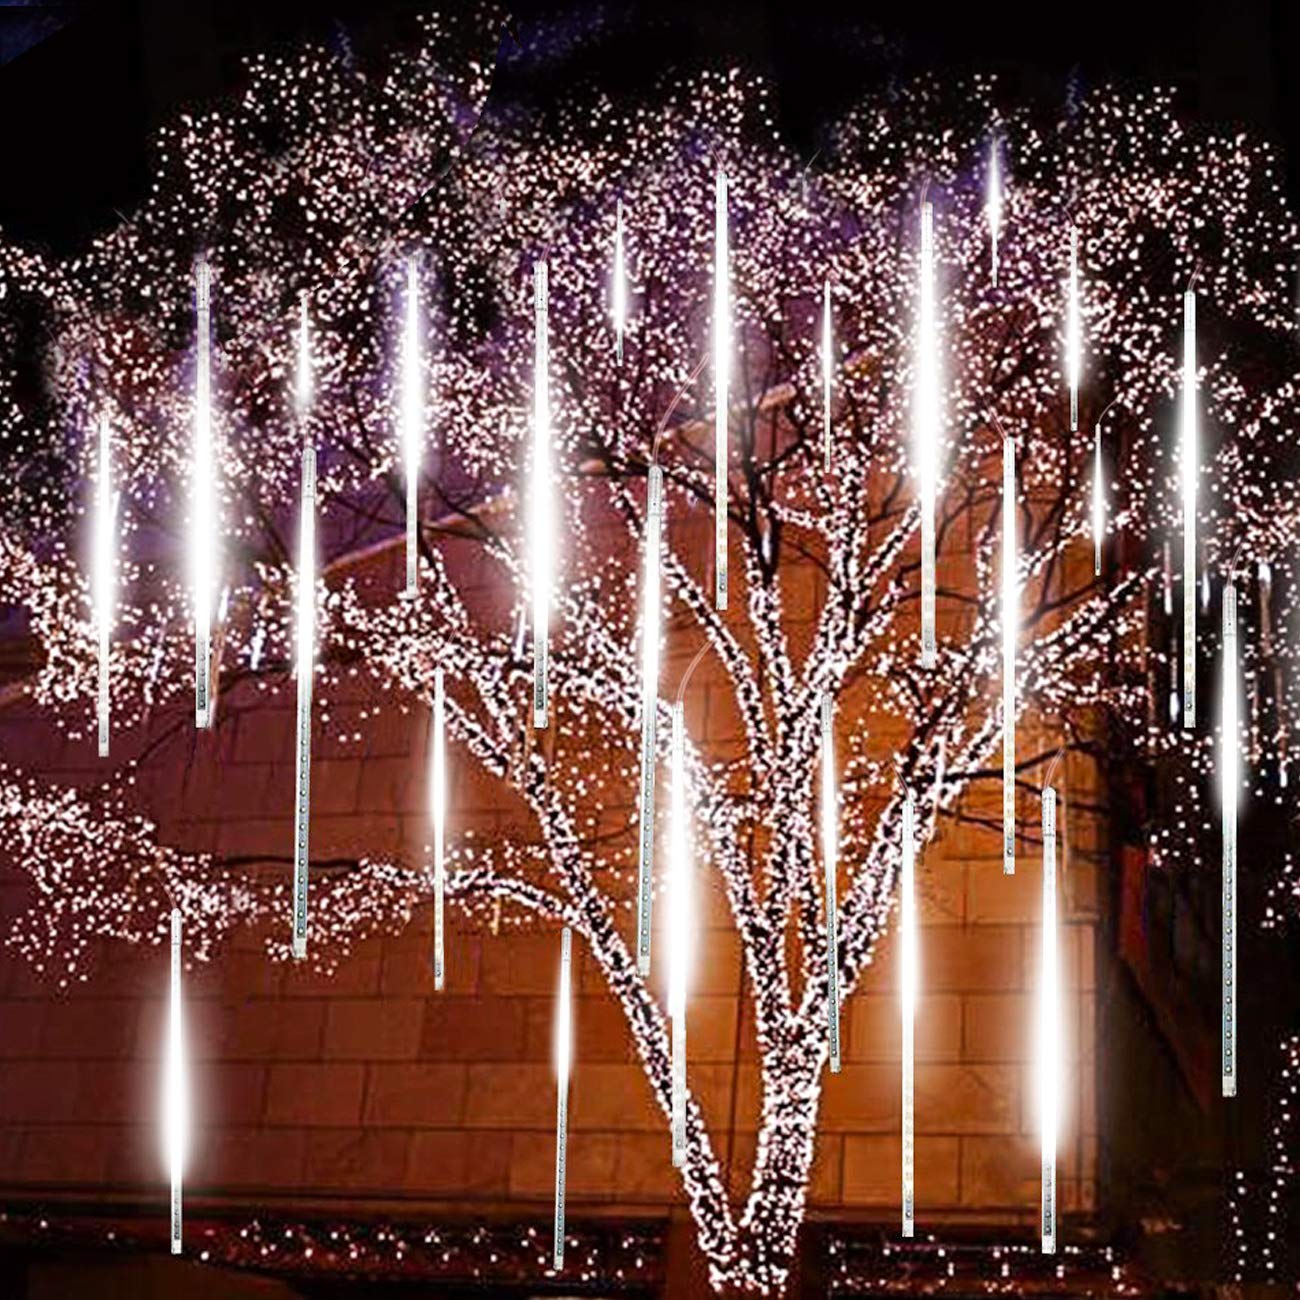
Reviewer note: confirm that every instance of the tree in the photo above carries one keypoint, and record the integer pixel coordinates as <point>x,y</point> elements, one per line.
<point>320,180</point>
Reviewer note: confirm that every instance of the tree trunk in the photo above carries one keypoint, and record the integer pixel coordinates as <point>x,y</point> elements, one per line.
<point>763,1246</point>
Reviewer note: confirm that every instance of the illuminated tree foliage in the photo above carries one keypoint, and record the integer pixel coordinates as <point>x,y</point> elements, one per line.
<point>322,178</point>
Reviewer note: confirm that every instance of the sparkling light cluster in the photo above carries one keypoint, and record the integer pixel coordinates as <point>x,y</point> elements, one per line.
<point>317,180</point>
<point>384,1250</point>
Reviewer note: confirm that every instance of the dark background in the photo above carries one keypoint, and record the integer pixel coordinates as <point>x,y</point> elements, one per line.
<point>83,85</point>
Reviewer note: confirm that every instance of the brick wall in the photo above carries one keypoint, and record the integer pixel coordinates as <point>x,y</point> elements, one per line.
<point>369,1087</point>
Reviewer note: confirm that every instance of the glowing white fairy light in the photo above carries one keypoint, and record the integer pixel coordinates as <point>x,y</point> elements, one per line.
<point>926,433</point>
<point>438,815</point>
<point>1230,777</point>
<point>994,204</point>
<point>908,984</point>
<point>1189,471</point>
<point>618,289</point>
<point>412,417</point>
<point>540,539</point>
<point>306,649</point>
<point>679,927</point>
<point>1010,624</point>
<point>649,707</point>
<point>175,1086</point>
<point>830,817</point>
<point>828,365</point>
<point>1073,339</point>
<point>1098,494</point>
<point>203,534</point>
<point>1049,1028</point>
<point>563,1052</point>
<point>721,385</point>
<point>103,576</point>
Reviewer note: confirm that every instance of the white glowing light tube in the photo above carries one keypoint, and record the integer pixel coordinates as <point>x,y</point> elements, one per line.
<point>303,379</point>
<point>1098,500</point>
<point>679,928</point>
<point>541,539</point>
<point>649,707</point>
<point>306,667</point>
<point>1073,342</point>
<point>412,417</point>
<point>1049,1028</point>
<point>1010,623</point>
<point>926,433</point>
<point>306,647</point>
<point>1230,778</point>
<point>830,814</point>
<point>175,1099</point>
<point>103,576</point>
<point>828,366</point>
<point>908,985</point>
<point>618,290</point>
<point>1189,468</point>
<point>563,1052</point>
<point>721,386</point>
<point>438,815</point>
<point>203,535</point>
<point>994,202</point>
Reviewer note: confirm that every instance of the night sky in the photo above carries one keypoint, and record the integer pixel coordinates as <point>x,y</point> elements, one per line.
<point>82,86</point>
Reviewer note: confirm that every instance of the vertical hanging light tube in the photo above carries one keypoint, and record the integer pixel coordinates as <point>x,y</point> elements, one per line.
<point>618,290</point>
<point>541,540</point>
<point>103,576</point>
<point>306,668</point>
<point>830,813</point>
<point>175,1101</point>
<point>563,1052</point>
<point>649,706</point>
<point>412,416</point>
<point>1098,500</point>
<point>306,648</point>
<point>438,815</point>
<point>1189,468</point>
<point>926,415</point>
<point>1230,778</point>
<point>721,387</point>
<point>1266,650</point>
<point>908,984</point>
<point>1049,1028</point>
<point>994,202</point>
<point>1010,623</point>
<point>203,540</point>
<point>1073,341</point>
<point>1175,695</point>
<point>679,903</point>
<point>303,377</point>
<point>828,365</point>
